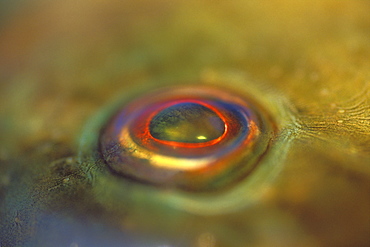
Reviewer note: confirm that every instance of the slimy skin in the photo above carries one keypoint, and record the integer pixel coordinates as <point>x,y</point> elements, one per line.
<point>67,66</point>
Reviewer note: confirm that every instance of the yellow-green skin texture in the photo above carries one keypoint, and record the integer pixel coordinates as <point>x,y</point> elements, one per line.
<point>65,66</point>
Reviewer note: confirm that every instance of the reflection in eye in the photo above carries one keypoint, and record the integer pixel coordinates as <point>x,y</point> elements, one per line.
<point>192,138</point>
<point>187,122</point>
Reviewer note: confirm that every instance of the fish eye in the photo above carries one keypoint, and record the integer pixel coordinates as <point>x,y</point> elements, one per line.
<point>192,146</point>
<point>191,138</point>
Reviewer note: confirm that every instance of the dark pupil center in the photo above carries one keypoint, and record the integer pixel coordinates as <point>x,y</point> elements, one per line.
<point>187,122</point>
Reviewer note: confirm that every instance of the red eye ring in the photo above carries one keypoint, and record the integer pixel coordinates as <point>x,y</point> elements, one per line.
<point>144,136</point>
<point>141,134</point>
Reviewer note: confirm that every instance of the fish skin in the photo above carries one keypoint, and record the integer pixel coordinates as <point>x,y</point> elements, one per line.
<point>62,63</point>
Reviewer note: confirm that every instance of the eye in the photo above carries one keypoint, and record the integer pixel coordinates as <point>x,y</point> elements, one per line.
<point>193,138</point>
<point>205,148</point>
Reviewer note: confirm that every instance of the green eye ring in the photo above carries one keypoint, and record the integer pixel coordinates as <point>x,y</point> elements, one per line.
<point>238,193</point>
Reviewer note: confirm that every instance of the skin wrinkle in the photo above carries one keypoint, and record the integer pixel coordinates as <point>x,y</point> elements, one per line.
<point>62,63</point>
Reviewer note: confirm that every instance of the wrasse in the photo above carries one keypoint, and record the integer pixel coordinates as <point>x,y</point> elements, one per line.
<point>185,123</point>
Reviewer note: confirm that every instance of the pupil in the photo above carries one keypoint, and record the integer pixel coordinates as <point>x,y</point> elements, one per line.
<point>187,122</point>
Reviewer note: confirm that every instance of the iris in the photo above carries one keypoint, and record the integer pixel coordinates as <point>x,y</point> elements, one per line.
<point>191,138</point>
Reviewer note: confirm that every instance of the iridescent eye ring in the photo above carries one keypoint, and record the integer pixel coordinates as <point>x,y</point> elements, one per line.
<point>189,137</point>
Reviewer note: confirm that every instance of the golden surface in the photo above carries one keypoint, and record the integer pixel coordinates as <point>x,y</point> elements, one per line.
<point>61,62</point>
